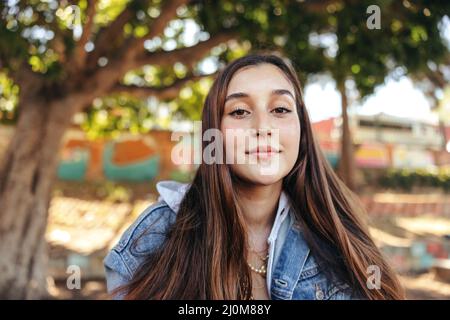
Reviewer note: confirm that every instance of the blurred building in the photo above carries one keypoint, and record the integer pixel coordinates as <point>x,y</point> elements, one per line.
<point>383,141</point>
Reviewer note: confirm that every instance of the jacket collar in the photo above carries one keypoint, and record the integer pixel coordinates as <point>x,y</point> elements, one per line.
<point>290,264</point>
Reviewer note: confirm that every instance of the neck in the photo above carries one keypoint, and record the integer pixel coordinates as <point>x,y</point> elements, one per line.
<point>259,204</point>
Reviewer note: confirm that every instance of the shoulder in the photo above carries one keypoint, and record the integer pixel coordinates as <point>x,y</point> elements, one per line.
<point>143,235</point>
<point>139,240</point>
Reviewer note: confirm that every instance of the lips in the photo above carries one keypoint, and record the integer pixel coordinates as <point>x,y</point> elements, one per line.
<point>263,151</point>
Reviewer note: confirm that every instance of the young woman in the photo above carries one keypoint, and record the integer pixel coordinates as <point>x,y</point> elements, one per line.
<point>239,231</point>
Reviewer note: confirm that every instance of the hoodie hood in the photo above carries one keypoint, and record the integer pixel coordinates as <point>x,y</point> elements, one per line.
<point>172,192</point>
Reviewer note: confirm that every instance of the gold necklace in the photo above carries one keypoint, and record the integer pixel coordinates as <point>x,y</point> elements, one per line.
<point>261,270</point>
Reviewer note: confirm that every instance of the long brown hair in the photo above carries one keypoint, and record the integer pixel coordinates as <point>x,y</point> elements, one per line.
<point>204,253</point>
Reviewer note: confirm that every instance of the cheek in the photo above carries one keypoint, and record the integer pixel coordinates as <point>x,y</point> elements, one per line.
<point>290,132</point>
<point>290,138</point>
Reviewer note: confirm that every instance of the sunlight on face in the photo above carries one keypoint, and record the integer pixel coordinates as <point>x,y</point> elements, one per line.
<point>261,98</point>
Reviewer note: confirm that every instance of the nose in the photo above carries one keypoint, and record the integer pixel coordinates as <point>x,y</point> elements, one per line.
<point>267,132</point>
<point>262,125</point>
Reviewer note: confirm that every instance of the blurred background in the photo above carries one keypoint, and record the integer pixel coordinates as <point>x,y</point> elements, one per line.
<point>91,92</point>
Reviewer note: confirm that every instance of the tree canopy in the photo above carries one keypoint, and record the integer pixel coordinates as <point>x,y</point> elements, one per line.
<point>57,38</point>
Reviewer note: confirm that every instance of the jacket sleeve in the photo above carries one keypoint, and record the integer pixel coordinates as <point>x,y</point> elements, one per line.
<point>139,240</point>
<point>116,272</point>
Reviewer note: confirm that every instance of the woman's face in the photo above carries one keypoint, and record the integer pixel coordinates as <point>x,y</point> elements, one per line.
<point>260,125</point>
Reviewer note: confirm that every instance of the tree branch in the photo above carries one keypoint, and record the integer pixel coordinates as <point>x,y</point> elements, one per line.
<point>79,54</point>
<point>107,35</point>
<point>135,46</point>
<point>105,78</point>
<point>29,82</point>
<point>436,77</point>
<point>187,55</point>
<point>164,93</point>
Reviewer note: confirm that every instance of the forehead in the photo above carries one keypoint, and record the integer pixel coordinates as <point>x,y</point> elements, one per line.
<point>258,79</point>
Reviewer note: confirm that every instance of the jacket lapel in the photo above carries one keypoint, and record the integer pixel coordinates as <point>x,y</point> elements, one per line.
<point>290,264</point>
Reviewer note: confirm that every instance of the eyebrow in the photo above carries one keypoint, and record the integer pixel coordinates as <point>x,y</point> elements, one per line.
<point>278,92</point>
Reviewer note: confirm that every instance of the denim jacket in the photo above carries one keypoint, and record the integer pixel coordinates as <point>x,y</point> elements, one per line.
<point>292,272</point>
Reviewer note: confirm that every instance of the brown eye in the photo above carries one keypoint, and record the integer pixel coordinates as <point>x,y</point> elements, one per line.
<point>238,113</point>
<point>281,110</point>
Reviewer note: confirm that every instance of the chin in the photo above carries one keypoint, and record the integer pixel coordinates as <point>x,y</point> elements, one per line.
<point>260,174</point>
<point>256,177</point>
<point>266,180</point>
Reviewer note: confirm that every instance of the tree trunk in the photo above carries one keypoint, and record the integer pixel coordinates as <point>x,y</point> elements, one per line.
<point>27,173</point>
<point>346,168</point>
<point>443,134</point>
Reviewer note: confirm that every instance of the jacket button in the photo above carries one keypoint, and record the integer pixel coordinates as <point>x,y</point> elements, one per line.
<point>319,293</point>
